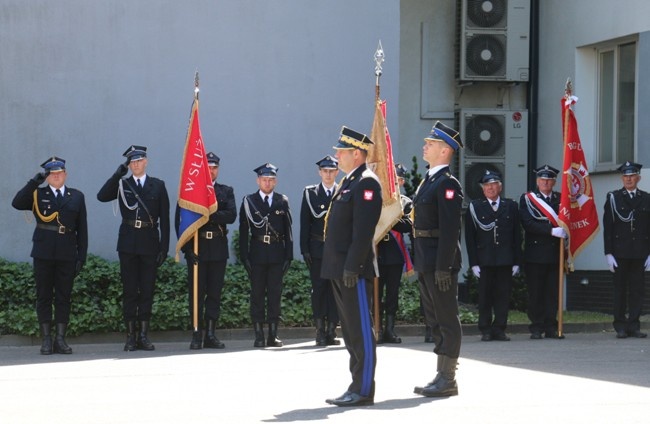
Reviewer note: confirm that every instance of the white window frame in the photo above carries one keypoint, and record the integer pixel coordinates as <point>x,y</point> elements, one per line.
<point>604,164</point>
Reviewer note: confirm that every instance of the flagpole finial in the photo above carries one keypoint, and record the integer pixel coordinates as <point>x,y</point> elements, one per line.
<point>379,59</point>
<point>196,84</point>
<point>568,88</point>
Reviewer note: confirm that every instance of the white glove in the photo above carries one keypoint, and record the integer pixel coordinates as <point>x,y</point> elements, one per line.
<point>558,232</point>
<point>477,270</point>
<point>611,262</point>
<point>515,270</point>
<point>647,263</point>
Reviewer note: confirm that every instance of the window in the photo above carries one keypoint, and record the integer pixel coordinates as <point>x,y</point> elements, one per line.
<point>616,102</point>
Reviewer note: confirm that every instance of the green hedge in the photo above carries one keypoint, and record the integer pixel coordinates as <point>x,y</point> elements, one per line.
<point>97,299</point>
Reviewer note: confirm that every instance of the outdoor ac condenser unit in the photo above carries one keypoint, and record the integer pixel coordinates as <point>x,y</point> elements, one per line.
<point>495,140</point>
<point>494,40</point>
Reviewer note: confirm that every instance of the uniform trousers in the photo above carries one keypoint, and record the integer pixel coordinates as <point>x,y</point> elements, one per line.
<point>266,283</point>
<point>543,289</point>
<point>354,306</point>
<point>441,313</point>
<point>494,287</point>
<point>390,276</point>
<point>628,294</point>
<point>210,284</point>
<point>138,273</point>
<point>323,304</point>
<point>54,281</point>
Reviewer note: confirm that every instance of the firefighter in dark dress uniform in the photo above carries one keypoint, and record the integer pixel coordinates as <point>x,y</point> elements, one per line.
<point>143,240</point>
<point>391,251</point>
<point>626,225</point>
<point>266,249</point>
<point>60,244</point>
<point>542,240</point>
<point>316,201</point>
<point>349,261</point>
<point>436,229</point>
<point>212,258</point>
<point>493,240</point>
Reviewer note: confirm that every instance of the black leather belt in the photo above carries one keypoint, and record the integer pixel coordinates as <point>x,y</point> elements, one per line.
<point>426,233</point>
<point>209,235</point>
<point>268,239</point>
<point>317,237</point>
<point>138,223</point>
<point>61,229</point>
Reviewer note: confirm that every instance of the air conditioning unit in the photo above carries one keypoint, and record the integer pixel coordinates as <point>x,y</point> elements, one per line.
<point>495,140</point>
<point>494,40</point>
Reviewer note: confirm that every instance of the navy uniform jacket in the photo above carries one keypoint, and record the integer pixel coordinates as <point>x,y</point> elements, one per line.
<point>312,219</point>
<point>351,226</point>
<point>388,250</point>
<point>540,247</point>
<point>216,247</point>
<point>437,206</point>
<point>628,240</point>
<point>499,246</point>
<point>280,247</point>
<point>145,240</point>
<point>48,244</point>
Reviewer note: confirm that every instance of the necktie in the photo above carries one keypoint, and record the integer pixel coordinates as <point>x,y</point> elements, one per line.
<point>139,184</point>
<point>328,192</point>
<point>631,195</point>
<point>266,201</point>
<point>494,206</point>
<point>58,196</point>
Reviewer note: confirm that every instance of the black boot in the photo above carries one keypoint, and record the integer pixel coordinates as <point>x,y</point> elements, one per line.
<point>46,344</point>
<point>446,384</point>
<point>130,344</point>
<point>273,340</point>
<point>211,341</point>
<point>196,342</point>
<point>143,341</point>
<point>418,389</point>
<point>60,346</point>
<point>389,331</point>
<point>428,334</point>
<point>321,337</point>
<point>331,334</point>
<point>259,335</point>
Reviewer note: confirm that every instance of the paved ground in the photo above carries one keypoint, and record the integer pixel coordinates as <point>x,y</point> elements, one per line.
<point>586,378</point>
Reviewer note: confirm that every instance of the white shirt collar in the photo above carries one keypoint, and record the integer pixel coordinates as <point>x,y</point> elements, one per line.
<point>62,189</point>
<point>142,179</point>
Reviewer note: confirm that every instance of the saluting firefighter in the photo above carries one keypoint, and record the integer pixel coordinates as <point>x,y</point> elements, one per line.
<point>493,240</point>
<point>212,258</point>
<point>349,261</point>
<point>542,237</point>
<point>60,244</point>
<point>143,240</point>
<point>626,225</point>
<point>392,255</point>
<point>316,201</point>
<point>266,249</point>
<point>436,229</point>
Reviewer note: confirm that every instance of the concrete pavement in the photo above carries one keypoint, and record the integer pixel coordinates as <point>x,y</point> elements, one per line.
<point>585,378</point>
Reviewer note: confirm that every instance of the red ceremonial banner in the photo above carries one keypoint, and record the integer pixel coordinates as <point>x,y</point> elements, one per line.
<point>577,214</point>
<point>196,196</point>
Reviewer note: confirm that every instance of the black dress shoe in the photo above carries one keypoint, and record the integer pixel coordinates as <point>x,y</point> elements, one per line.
<point>637,333</point>
<point>621,335</point>
<point>553,335</point>
<point>536,335</point>
<point>351,399</point>
<point>486,337</point>
<point>502,337</point>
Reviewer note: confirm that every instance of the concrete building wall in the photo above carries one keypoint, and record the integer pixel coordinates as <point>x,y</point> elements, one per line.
<point>84,80</point>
